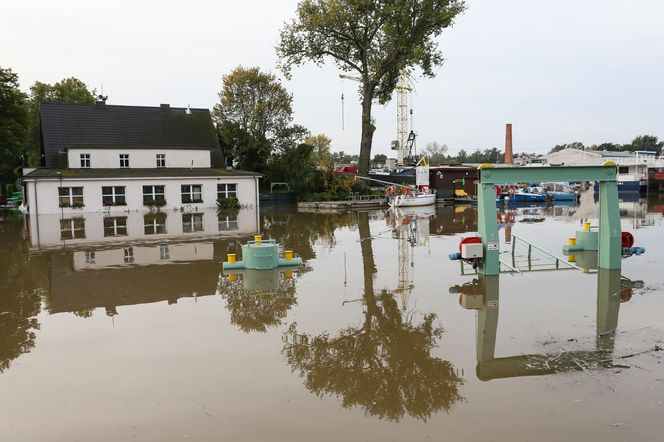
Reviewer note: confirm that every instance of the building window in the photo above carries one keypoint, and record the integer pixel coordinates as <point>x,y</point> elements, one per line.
<point>192,193</point>
<point>124,160</point>
<point>71,197</point>
<point>226,191</point>
<point>85,160</point>
<point>161,160</point>
<point>115,226</point>
<point>164,252</point>
<point>128,255</point>
<point>622,170</point>
<point>113,196</point>
<point>72,228</point>
<point>192,222</point>
<point>90,257</point>
<point>155,224</point>
<point>227,223</point>
<point>152,194</point>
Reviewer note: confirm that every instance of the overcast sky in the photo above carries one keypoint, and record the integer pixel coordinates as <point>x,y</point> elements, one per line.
<point>559,70</point>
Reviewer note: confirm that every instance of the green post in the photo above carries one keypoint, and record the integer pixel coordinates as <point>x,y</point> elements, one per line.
<point>609,226</point>
<point>487,320</point>
<point>488,228</point>
<point>608,306</point>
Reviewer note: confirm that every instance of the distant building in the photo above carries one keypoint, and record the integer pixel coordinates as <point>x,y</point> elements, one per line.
<point>114,159</point>
<point>632,166</point>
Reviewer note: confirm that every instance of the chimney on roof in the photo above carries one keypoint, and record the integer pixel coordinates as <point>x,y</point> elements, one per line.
<point>508,144</point>
<point>165,107</point>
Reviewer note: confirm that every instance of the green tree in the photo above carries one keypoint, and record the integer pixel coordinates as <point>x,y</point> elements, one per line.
<point>436,153</point>
<point>343,158</point>
<point>254,118</point>
<point>68,90</point>
<point>13,125</point>
<point>462,157</point>
<point>379,159</point>
<point>295,166</point>
<point>648,143</point>
<point>377,39</point>
<point>322,155</point>
<point>575,145</point>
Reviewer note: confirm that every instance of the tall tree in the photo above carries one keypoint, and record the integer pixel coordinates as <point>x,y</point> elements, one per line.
<point>13,124</point>
<point>322,154</point>
<point>254,116</point>
<point>68,90</point>
<point>378,39</point>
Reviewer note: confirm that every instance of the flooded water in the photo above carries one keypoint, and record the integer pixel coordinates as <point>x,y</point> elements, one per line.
<point>126,328</point>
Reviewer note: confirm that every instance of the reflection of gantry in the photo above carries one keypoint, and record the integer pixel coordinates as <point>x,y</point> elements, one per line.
<point>483,295</point>
<point>412,229</point>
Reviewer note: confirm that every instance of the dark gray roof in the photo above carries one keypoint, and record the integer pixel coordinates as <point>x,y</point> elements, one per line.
<point>101,125</point>
<point>137,173</point>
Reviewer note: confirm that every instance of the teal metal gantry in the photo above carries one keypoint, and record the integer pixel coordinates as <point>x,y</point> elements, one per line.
<point>609,215</point>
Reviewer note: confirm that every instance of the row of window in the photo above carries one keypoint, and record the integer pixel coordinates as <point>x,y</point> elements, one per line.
<point>124,160</point>
<point>117,195</point>
<point>153,224</point>
<point>164,254</point>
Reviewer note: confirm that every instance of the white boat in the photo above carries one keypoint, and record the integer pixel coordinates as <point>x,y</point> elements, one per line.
<point>412,199</point>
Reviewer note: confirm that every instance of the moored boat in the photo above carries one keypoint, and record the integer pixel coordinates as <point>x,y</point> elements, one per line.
<point>413,199</point>
<point>559,191</point>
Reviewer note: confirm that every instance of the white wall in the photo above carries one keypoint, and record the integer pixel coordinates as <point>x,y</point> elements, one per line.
<point>48,201</point>
<point>574,157</point>
<point>143,255</point>
<point>45,229</point>
<point>139,158</point>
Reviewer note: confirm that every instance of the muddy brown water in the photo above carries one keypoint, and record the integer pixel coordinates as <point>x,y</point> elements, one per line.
<point>110,333</point>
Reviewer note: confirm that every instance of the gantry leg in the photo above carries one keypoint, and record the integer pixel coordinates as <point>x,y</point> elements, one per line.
<point>609,226</point>
<point>488,229</point>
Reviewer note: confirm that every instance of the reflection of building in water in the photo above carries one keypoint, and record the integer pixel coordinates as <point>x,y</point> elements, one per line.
<point>450,220</point>
<point>47,231</point>
<point>86,280</point>
<point>136,258</point>
<point>483,295</point>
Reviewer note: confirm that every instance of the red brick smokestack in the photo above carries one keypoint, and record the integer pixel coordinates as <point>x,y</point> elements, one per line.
<point>508,144</point>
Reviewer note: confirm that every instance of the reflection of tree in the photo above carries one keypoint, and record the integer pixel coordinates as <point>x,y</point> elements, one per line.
<point>256,310</point>
<point>20,298</point>
<point>385,365</point>
<point>300,231</point>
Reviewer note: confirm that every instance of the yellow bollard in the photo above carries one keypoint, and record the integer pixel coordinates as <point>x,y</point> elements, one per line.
<point>288,274</point>
<point>232,277</point>
<point>571,258</point>
<point>571,241</point>
<point>586,226</point>
<point>231,258</point>
<point>288,255</point>
<point>258,239</point>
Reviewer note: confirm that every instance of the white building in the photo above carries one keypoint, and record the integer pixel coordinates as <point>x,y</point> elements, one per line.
<point>632,166</point>
<point>117,159</point>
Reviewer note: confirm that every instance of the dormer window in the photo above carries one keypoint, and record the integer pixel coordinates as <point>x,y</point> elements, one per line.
<point>161,160</point>
<point>85,160</point>
<point>124,160</point>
